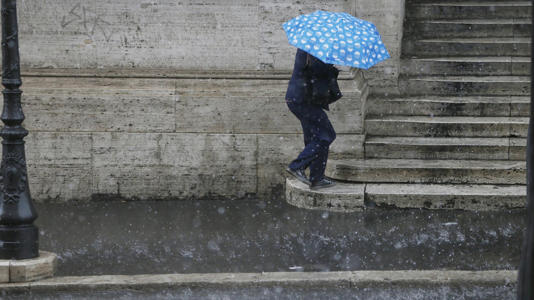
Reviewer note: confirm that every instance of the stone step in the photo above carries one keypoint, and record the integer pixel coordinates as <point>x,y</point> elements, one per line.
<point>465,85</point>
<point>428,171</point>
<point>451,1</point>
<point>323,284</point>
<point>468,28</point>
<point>479,46</point>
<point>446,196</point>
<point>446,148</point>
<point>347,197</point>
<point>343,197</point>
<point>448,126</point>
<point>458,66</point>
<point>475,106</point>
<point>469,10</point>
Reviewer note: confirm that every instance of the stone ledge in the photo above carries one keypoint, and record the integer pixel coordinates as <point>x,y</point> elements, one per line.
<point>26,270</point>
<point>344,279</point>
<point>168,73</point>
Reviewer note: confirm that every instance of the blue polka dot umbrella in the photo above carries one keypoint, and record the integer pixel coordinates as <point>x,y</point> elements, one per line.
<point>337,38</point>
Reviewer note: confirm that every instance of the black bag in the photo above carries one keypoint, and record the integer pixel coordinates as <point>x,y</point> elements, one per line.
<point>322,91</point>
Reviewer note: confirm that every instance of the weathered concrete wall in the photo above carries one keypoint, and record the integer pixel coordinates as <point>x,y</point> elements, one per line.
<point>176,137</point>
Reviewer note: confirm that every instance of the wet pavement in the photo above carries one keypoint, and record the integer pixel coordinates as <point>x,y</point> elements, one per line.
<point>291,293</point>
<point>253,236</point>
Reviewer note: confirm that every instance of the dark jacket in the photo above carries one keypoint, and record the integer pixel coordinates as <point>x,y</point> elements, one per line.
<point>324,78</point>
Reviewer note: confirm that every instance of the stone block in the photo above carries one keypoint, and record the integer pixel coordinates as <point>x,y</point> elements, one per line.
<point>382,77</point>
<point>387,15</point>
<point>256,106</point>
<point>60,183</point>
<point>4,270</point>
<point>99,105</point>
<point>32,269</point>
<point>188,34</point>
<point>521,65</point>
<point>96,110</point>
<point>59,165</point>
<point>233,106</point>
<point>56,37</point>
<point>52,148</point>
<point>275,52</point>
<point>518,149</point>
<point>146,166</point>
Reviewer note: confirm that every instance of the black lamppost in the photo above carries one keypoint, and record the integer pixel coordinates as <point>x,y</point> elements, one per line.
<point>526,267</point>
<point>18,236</point>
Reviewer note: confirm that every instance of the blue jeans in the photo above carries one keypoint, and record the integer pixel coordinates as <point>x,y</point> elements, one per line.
<point>318,135</point>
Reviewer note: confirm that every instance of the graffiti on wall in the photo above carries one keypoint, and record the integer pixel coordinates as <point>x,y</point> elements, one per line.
<point>88,21</point>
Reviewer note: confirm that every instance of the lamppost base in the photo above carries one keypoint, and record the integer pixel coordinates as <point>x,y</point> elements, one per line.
<point>19,242</point>
<point>43,266</point>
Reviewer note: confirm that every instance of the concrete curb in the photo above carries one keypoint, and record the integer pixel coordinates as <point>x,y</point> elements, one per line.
<point>43,266</point>
<point>342,279</point>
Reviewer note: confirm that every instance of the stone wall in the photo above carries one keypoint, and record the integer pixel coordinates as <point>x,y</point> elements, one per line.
<point>173,99</point>
<point>191,34</point>
<point>169,138</point>
<point>388,16</point>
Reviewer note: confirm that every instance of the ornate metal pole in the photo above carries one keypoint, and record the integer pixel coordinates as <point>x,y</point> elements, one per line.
<point>18,236</point>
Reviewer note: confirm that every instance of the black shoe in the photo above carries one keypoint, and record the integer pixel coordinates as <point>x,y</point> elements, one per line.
<point>321,184</point>
<point>299,174</point>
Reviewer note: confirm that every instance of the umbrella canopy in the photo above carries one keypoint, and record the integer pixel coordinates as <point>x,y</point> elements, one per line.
<point>337,38</point>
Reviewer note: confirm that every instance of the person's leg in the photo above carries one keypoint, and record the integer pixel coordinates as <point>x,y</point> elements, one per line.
<point>307,135</point>
<point>320,133</point>
<point>297,168</point>
<point>323,135</point>
<point>302,113</point>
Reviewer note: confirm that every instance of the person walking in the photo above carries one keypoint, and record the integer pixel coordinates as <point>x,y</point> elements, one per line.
<point>312,77</point>
<point>323,39</point>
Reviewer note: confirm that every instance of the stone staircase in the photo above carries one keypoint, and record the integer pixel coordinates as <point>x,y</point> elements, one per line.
<point>455,137</point>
